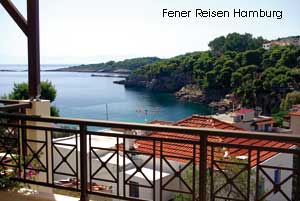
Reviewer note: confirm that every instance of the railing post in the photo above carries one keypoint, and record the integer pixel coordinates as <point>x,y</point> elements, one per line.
<point>203,166</point>
<point>83,163</point>
<point>23,149</point>
<point>298,176</point>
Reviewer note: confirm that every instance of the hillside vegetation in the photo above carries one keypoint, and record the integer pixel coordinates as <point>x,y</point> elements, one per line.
<point>125,66</point>
<point>236,64</point>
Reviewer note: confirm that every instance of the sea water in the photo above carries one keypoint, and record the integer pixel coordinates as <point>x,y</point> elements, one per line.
<point>82,96</point>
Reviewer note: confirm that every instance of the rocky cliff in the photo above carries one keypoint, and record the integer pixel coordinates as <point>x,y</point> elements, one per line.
<point>191,93</point>
<point>160,83</point>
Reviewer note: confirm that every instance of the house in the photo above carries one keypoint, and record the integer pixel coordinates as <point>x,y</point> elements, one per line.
<point>139,172</point>
<point>104,177</point>
<point>262,124</point>
<point>295,120</point>
<point>65,147</point>
<point>242,118</point>
<point>247,119</point>
<point>294,40</point>
<point>291,121</point>
<point>140,184</point>
<point>180,153</point>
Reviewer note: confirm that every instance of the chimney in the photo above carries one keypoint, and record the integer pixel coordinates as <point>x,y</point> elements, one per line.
<point>129,142</point>
<point>295,122</point>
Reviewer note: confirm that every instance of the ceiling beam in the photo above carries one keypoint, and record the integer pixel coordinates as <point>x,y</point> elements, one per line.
<point>15,14</point>
<point>31,29</point>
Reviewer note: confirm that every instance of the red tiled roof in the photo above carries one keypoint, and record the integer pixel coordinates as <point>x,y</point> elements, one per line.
<point>177,151</point>
<point>295,113</point>
<point>263,121</point>
<point>161,122</point>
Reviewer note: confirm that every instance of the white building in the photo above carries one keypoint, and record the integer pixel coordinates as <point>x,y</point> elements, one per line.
<point>273,167</point>
<point>295,120</point>
<point>114,165</point>
<point>247,119</point>
<point>136,182</point>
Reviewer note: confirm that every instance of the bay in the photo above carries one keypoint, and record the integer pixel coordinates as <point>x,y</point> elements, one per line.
<point>81,96</point>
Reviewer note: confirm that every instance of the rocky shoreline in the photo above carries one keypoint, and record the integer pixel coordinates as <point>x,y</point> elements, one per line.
<point>109,75</point>
<point>190,93</point>
<point>193,93</point>
<point>183,91</point>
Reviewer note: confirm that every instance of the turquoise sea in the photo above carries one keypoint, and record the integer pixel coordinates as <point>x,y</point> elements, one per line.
<point>82,96</point>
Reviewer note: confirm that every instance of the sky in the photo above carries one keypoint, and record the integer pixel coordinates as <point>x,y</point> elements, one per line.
<point>93,31</point>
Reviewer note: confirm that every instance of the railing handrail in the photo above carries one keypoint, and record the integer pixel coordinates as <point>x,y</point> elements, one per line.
<point>9,104</point>
<point>15,106</point>
<point>9,101</point>
<point>160,128</point>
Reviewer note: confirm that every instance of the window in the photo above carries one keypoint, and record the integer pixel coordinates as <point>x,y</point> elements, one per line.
<point>134,189</point>
<point>267,126</point>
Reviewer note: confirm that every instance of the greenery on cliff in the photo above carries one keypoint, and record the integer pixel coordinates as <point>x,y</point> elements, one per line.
<point>235,64</point>
<point>112,66</point>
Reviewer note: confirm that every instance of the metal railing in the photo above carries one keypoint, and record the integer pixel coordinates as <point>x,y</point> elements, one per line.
<point>113,164</point>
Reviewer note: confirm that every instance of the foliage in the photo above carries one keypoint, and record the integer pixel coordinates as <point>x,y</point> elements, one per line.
<point>235,42</point>
<point>111,66</point>
<point>6,181</point>
<point>20,91</point>
<point>54,111</point>
<point>279,117</point>
<point>10,171</point>
<point>229,191</point>
<point>235,64</point>
<point>290,100</point>
<point>48,92</point>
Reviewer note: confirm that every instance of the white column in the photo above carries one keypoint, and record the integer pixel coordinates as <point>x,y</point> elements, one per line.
<point>40,108</point>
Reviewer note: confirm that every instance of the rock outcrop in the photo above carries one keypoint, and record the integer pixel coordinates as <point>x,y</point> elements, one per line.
<point>191,93</point>
<point>160,84</point>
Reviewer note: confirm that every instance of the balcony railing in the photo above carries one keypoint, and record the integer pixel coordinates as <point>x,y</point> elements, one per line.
<point>106,158</point>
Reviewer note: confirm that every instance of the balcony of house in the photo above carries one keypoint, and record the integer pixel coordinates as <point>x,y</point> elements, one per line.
<point>197,158</point>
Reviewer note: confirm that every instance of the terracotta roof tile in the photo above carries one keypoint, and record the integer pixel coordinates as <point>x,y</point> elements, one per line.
<point>161,122</point>
<point>178,150</point>
<point>295,113</point>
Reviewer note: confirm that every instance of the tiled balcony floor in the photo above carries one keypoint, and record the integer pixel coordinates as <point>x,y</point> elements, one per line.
<point>14,196</point>
<point>9,196</point>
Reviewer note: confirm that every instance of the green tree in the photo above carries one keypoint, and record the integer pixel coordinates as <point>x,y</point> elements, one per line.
<point>224,78</point>
<point>237,64</point>
<point>235,42</point>
<point>279,117</point>
<point>48,92</point>
<point>288,57</point>
<point>290,100</point>
<point>217,45</point>
<point>252,57</point>
<point>19,92</point>
<point>229,191</point>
